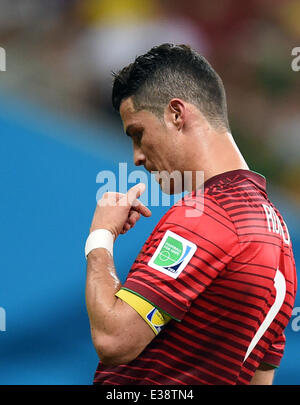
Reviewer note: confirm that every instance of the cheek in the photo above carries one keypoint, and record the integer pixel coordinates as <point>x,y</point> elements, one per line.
<point>156,147</point>
<point>149,146</point>
<point>156,151</point>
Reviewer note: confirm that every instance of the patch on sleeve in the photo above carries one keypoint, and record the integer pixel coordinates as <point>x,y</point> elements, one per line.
<point>172,254</point>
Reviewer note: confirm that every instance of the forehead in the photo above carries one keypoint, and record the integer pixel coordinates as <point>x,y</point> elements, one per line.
<point>127,110</point>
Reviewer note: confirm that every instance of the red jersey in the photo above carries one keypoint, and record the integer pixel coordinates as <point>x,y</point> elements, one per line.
<point>227,278</point>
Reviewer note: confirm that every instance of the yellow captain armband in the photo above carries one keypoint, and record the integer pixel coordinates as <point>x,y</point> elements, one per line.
<point>154,317</point>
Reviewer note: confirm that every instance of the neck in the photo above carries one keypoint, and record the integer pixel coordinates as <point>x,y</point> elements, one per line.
<point>214,155</point>
<point>223,156</point>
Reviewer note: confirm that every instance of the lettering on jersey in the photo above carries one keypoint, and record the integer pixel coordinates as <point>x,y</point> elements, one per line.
<point>274,224</point>
<point>172,254</point>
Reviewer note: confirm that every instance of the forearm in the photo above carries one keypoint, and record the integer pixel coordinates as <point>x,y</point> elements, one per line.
<point>101,285</point>
<point>113,322</point>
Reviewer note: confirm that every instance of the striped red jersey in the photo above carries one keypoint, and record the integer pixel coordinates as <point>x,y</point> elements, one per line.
<point>220,263</point>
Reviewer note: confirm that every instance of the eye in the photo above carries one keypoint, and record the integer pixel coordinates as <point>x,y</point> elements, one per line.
<point>137,137</point>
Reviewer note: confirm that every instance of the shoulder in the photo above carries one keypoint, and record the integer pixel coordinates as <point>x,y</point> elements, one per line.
<point>197,208</point>
<point>200,218</point>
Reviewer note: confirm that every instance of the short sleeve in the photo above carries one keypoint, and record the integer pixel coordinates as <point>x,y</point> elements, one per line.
<point>182,257</point>
<point>275,352</point>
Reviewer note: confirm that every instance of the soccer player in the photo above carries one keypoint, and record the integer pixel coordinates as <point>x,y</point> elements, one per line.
<point>209,296</point>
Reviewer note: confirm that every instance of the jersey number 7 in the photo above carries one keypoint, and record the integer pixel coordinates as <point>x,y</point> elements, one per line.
<point>280,287</point>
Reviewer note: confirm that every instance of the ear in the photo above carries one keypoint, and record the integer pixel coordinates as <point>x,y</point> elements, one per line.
<point>177,113</point>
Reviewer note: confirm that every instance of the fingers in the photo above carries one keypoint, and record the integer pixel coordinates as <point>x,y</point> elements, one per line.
<point>133,194</point>
<point>133,217</point>
<point>129,200</point>
<point>142,209</point>
<point>126,228</point>
<point>110,199</point>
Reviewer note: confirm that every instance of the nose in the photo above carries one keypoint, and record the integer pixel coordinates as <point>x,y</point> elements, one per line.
<point>138,156</point>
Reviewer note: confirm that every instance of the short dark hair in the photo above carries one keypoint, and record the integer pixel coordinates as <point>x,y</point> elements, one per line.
<point>169,71</point>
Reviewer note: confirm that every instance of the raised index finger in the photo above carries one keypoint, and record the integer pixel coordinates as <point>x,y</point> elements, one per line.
<point>135,192</point>
<point>132,197</point>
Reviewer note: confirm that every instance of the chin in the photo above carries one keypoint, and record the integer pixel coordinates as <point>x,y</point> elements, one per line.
<point>171,187</point>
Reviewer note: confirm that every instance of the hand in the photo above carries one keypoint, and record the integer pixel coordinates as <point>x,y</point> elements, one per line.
<point>118,212</point>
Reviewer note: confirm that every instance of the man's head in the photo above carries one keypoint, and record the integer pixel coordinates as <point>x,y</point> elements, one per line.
<point>172,71</point>
<point>163,96</point>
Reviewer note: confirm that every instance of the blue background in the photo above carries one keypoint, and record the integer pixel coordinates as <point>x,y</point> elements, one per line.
<point>48,188</point>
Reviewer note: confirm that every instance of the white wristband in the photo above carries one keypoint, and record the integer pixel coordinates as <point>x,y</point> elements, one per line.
<point>100,238</point>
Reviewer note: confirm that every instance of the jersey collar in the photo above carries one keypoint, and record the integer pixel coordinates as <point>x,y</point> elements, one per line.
<point>228,177</point>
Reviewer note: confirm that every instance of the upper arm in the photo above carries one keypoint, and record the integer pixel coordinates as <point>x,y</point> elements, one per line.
<point>131,337</point>
<point>263,375</point>
<point>139,321</point>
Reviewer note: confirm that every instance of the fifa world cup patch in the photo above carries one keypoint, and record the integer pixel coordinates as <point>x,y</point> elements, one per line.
<point>156,319</point>
<point>172,254</point>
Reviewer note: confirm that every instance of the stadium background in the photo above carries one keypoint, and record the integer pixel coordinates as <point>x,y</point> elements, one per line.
<point>57,131</point>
